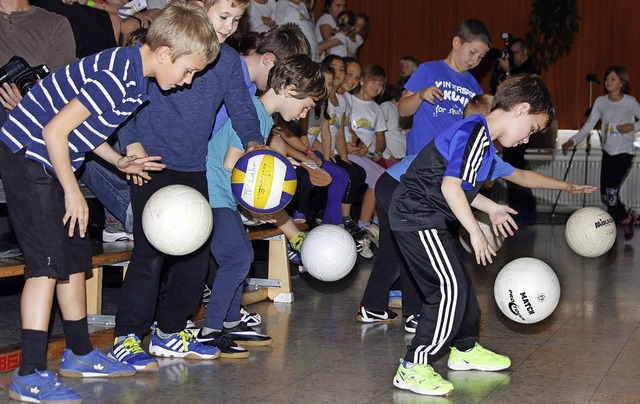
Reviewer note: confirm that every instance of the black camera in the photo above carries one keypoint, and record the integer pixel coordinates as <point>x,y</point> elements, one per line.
<point>506,53</point>
<point>18,71</point>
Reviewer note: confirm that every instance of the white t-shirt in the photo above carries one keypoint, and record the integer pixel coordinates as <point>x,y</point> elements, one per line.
<point>326,18</point>
<point>256,11</point>
<point>345,99</point>
<point>339,50</point>
<point>287,11</point>
<point>336,116</point>
<point>611,114</point>
<point>395,136</point>
<point>353,46</point>
<point>366,119</point>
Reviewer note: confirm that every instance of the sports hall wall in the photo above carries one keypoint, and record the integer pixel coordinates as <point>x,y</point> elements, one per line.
<point>608,35</point>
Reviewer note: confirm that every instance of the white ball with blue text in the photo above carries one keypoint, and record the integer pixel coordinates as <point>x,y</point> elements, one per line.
<point>527,290</point>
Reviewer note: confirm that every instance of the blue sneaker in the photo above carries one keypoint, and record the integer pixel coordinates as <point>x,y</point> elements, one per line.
<point>93,364</point>
<point>191,327</point>
<point>395,299</point>
<point>41,387</point>
<point>299,218</point>
<point>181,345</point>
<point>128,349</point>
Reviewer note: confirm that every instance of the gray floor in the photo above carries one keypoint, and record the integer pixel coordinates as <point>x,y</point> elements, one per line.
<point>587,351</point>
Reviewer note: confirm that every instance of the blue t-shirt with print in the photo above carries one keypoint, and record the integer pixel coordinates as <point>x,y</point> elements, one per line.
<point>431,119</point>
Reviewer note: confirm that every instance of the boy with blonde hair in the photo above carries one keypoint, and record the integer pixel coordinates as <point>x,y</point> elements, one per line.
<point>45,139</point>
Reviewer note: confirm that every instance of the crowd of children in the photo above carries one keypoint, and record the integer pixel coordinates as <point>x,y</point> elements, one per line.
<point>297,88</point>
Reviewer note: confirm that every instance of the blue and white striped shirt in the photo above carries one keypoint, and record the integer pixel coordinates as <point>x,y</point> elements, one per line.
<point>110,84</point>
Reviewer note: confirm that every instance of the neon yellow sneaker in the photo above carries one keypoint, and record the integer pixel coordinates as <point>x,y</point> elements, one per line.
<point>421,379</point>
<point>477,358</point>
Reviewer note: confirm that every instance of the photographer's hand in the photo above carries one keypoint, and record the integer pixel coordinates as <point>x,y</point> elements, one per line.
<point>10,96</point>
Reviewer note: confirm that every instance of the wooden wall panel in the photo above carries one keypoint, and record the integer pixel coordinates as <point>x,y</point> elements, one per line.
<point>423,28</point>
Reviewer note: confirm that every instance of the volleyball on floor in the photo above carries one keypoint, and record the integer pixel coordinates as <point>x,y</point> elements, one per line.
<point>590,232</point>
<point>328,253</point>
<point>485,225</point>
<point>177,220</point>
<point>527,290</point>
<point>263,181</point>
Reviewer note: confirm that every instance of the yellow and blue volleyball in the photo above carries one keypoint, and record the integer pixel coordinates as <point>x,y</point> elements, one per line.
<point>263,181</point>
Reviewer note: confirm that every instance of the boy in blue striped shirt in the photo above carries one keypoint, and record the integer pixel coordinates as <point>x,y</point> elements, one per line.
<point>43,142</point>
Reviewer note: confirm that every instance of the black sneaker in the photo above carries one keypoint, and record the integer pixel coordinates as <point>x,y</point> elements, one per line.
<point>250,319</point>
<point>242,334</point>
<point>370,316</point>
<point>411,323</point>
<point>356,232</point>
<point>228,348</point>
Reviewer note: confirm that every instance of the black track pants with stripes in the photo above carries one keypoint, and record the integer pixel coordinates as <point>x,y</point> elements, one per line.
<point>450,315</point>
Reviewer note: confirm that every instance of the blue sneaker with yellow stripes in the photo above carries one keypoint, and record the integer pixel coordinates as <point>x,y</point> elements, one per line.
<point>128,349</point>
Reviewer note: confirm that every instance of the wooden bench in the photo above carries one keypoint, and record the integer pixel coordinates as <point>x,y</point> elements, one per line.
<point>277,286</point>
<point>116,253</point>
<point>119,253</point>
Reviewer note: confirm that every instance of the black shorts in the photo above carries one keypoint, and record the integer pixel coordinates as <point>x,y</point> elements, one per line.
<point>35,201</point>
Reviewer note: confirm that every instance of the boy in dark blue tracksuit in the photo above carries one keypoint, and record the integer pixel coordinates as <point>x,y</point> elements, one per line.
<point>442,184</point>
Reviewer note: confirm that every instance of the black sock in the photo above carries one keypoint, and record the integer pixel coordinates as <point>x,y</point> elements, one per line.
<point>34,351</point>
<point>76,334</point>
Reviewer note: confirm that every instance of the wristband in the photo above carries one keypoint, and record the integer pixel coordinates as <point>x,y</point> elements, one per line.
<point>308,149</point>
<point>90,3</point>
